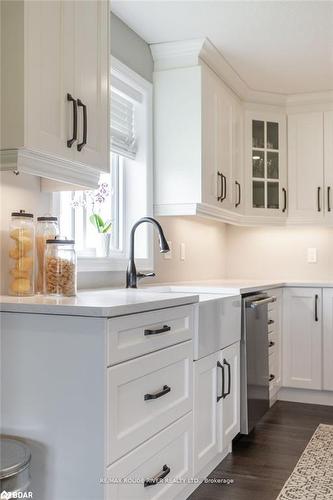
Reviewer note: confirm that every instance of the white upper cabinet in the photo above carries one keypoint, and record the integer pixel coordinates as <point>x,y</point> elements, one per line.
<point>266,165</point>
<point>302,338</point>
<point>55,64</point>
<point>306,166</point>
<point>224,151</point>
<point>328,165</point>
<point>91,82</point>
<point>198,126</point>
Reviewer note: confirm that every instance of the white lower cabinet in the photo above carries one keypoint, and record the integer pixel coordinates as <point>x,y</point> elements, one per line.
<point>145,395</point>
<point>206,411</point>
<point>302,338</point>
<point>230,361</point>
<point>328,339</point>
<point>168,456</point>
<point>216,404</point>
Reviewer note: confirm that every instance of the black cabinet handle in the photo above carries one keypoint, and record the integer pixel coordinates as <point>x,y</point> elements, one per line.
<point>329,199</point>
<point>220,181</point>
<point>85,125</point>
<point>239,194</point>
<point>164,328</point>
<point>318,199</point>
<point>224,179</point>
<point>155,480</point>
<point>316,308</point>
<point>284,200</point>
<point>157,395</point>
<point>271,344</point>
<point>71,141</point>
<point>225,362</point>
<point>222,373</point>
<point>271,321</point>
<point>271,377</point>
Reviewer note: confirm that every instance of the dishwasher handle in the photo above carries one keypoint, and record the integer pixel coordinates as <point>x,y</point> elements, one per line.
<point>261,302</point>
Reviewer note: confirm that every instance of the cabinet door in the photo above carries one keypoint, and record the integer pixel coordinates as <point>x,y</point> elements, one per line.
<point>217,141</point>
<point>49,75</point>
<point>306,166</point>
<point>302,338</point>
<point>237,178</point>
<point>212,181</point>
<point>92,81</point>
<point>328,339</point>
<point>266,174</point>
<point>229,359</point>
<point>205,410</point>
<point>328,165</point>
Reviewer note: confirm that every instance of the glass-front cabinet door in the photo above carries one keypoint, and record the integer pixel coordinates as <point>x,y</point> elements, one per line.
<point>266,153</point>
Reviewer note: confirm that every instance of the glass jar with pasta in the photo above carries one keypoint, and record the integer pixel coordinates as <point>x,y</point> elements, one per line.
<point>21,254</point>
<point>60,267</point>
<point>46,229</point>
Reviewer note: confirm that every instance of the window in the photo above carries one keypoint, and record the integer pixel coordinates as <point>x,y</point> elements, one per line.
<point>100,220</point>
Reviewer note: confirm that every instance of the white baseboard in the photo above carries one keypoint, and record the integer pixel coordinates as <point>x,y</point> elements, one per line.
<point>306,396</point>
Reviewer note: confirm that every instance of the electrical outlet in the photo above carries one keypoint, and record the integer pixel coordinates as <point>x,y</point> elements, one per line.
<point>312,255</point>
<point>168,255</point>
<point>182,251</point>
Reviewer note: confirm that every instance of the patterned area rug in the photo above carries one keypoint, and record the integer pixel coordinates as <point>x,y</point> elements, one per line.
<point>312,478</point>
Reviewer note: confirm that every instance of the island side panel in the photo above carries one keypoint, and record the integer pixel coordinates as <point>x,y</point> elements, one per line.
<point>53,387</point>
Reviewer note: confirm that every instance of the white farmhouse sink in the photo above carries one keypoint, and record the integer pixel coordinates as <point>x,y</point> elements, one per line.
<point>219,317</point>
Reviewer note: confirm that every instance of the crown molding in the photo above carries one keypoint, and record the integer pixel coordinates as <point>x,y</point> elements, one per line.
<point>49,167</point>
<point>181,54</point>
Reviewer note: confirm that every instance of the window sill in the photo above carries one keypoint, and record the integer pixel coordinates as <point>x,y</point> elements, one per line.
<point>100,264</point>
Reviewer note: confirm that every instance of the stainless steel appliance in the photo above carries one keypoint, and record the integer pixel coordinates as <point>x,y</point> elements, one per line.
<point>254,359</point>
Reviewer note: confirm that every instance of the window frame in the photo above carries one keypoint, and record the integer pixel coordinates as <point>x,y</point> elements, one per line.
<point>118,259</point>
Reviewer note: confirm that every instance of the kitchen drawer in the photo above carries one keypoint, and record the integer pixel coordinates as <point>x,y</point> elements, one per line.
<point>171,449</point>
<point>147,394</point>
<point>138,334</point>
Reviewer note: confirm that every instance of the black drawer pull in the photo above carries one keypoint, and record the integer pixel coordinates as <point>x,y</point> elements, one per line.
<point>239,194</point>
<point>222,380</point>
<point>155,480</point>
<point>329,199</point>
<point>271,344</point>
<point>85,125</point>
<point>271,377</point>
<point>71,141</point>
<point>319,199</point>
<point>316,308</point>
<point>220,177</point>
<point>165,328</point>
<point>284,200</point>
<point>225,362</point>
<point>271,321</point>
<point>157,395</point>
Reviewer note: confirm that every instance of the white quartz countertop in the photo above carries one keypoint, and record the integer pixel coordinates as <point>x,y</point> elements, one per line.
<point>99,303</point>
<point>235,286</point>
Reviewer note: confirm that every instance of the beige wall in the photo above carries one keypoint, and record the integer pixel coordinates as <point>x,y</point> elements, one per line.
<point>205,242</point>
<point>279,253</point>
<point>17,192</point>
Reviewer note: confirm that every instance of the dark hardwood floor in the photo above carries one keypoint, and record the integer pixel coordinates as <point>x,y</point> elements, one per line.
<point>261,462</point>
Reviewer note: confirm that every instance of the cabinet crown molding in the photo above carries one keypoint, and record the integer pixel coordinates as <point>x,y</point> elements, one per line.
<point>185,53</point>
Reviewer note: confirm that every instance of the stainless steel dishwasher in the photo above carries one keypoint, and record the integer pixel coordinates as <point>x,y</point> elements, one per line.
<point>254,359</point>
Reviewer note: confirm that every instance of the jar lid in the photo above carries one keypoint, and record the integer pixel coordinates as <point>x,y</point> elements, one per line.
<point>22,213</point>
<point>47,218</point>
<point>15,456</point>
<point>60,241</point>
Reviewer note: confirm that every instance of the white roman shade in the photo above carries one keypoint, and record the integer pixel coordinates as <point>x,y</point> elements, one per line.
<point>123,139</point>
